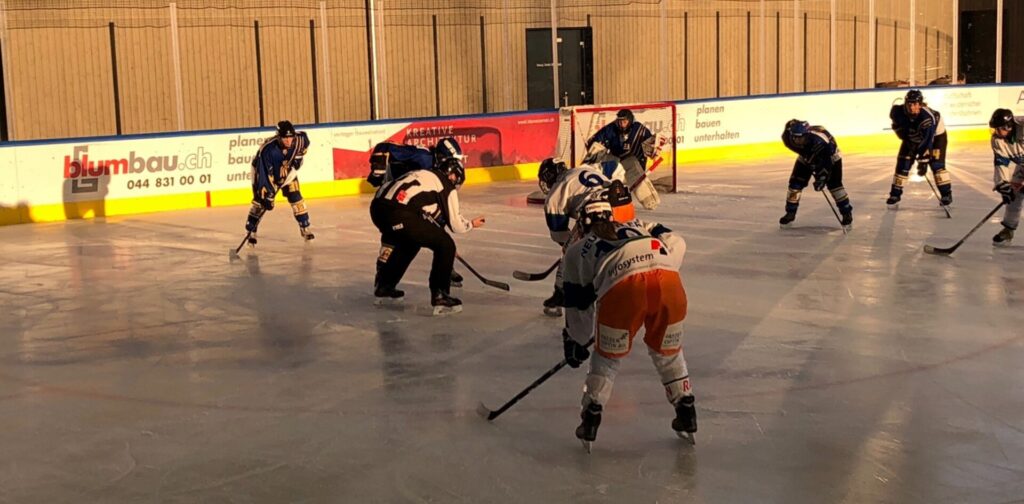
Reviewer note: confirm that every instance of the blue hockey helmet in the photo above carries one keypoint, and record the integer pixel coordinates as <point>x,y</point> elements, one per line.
<point>447,148</point>
<point>914,96</point>
<point>285,129</point>
<point>797,129</point>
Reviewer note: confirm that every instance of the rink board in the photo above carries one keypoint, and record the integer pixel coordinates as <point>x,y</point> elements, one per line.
<point>83,178</point>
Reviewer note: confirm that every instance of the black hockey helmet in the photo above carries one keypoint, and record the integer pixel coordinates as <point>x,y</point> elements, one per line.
<point>595,208</point>
<point>1002,118</point>
<point>797,130</point>
<point>446,149</point>
<point>914,96</point>
<point>548,173</point>
<point>285,129</point>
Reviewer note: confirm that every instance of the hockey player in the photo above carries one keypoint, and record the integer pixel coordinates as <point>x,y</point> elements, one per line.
<point>923,135</point>
<point>817,155</point>
<point>389,161</point>
<point>632,143</point>
<point>1008,147</point>
<point>274,167</point>
<point>565,190</point>
<point>618,278</point>
<point>392,160</point>
<point>411,212</point>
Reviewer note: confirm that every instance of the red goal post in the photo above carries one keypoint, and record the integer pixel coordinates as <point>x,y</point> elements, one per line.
<point>578,123</point>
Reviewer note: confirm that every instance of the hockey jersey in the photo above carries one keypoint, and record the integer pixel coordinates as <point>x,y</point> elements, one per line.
<point>919,130</point>
<point>389,161</point>
<point>1009,155</point>
<point>593,265</point>
<point>623,143</point>
<point>425,192</point>
<point>272,164</point>
<point>571,188</point>
<point>819,150</point>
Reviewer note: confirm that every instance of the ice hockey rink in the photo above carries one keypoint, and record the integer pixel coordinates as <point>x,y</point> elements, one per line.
<point>139,364</point>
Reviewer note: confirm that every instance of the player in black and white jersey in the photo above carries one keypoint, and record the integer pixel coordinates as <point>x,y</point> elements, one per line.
<point>411,213</point>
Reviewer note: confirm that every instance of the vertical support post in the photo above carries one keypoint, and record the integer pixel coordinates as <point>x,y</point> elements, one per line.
<point>832,46</point>
<point>663,49</point>
<point>796,43</point>
<point>778,53</point>
<point>872,45</point>
<point>686,54</point>
<point>554,50</point>
<point>718,56</point>
<point>854,52</point>
<point>938,55</point>
<point>764,49</point>
<point>326,63</point>
<point>3,96</point>
<point>999,41</point>
<point>437,69</point>
<point>117,89</point>
<point>259,70</point>
<point>312,57</point>
<point>179,100</point>
<point>805,52</point>
<point>371,57</point>
<point>895,46</point>
<point>925,81</point>
<point>954,52</point>
<point>748,53</point>
<point>483,63</point>
<point>913,43</point>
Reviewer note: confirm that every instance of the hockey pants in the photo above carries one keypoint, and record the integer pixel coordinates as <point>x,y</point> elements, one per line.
<point>291,191</point>
<point>801,175</point>
<point>905,161</point>
<point>403,233</point>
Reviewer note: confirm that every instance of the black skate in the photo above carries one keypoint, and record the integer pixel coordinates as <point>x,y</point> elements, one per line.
<point>306,233</point>
<point>946,200</point>
<point>252,239</point>
<point>685,422</point>
<point>456,279</point>
<point>847,221</point>
<point>893,202</point>
<point>553,305</point>
<point>444,304</point>
<point>1003,238</point>
<point>787,220</point>
<point>587,431</point>
<point>387,296</point>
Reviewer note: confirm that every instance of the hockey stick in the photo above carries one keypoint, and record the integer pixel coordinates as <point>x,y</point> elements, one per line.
<point>834,212</point>
<point>947,251</point>
<point>489,415</point>
<point>288,180</point>
<point>643,177</point>
<point>533,277</point>
<point>936,193</point>
<point>497,285</point>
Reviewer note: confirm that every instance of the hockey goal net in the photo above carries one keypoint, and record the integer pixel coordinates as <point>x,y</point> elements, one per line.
<point>577,124</point>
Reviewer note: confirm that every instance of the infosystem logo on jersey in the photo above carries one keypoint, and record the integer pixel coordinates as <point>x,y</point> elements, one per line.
<point>78,164</point>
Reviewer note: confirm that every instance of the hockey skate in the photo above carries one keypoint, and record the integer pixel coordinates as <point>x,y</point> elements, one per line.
<point>946,200</point>
<point>252,239</point>
<point>444,304</point>
<point>456,279</point>
<point>587,431</point>
<point>893,202</point>
<point>847,221</point>
<point>685,422</point>
<point>553,305</point>
<point>306,233</point>
<point>1004,237</point>
<point>786,221</point>
<point>387,296</point>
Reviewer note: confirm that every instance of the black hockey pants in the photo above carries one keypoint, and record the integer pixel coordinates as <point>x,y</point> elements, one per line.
<point>403,233</point>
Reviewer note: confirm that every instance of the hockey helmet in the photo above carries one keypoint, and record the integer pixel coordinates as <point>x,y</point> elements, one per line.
<point>548,173</point>
<point>621,202</point>
<point>1002,118</point>
<point>447,148</point>
<point>798,130</point>
<point>595,208</point>
<point>285,129</point>
<point>914,96</point>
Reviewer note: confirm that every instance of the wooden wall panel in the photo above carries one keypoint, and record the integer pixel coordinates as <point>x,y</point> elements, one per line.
<point>461,80</point>
<point>347,56</point>
<point>287,64</point>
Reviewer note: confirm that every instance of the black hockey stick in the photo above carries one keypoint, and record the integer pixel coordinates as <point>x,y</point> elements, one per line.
<point>533,277</point>
<point>946,251</point>
<point>489,415</point>
<point>492,283</point>
<point>834,212</point>
<point>936,193</point>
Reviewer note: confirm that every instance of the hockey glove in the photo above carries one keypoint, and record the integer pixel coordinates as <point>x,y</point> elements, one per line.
<point>922,168</point>
<point>1006,191</point>
<point>266,199</point>
<point>820,179</point>
<point>575,353</point>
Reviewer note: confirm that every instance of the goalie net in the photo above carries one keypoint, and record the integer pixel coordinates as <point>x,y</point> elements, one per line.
<point>577,124</point>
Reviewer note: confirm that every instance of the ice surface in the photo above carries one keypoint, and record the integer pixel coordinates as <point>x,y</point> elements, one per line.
<point>137,364</point>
